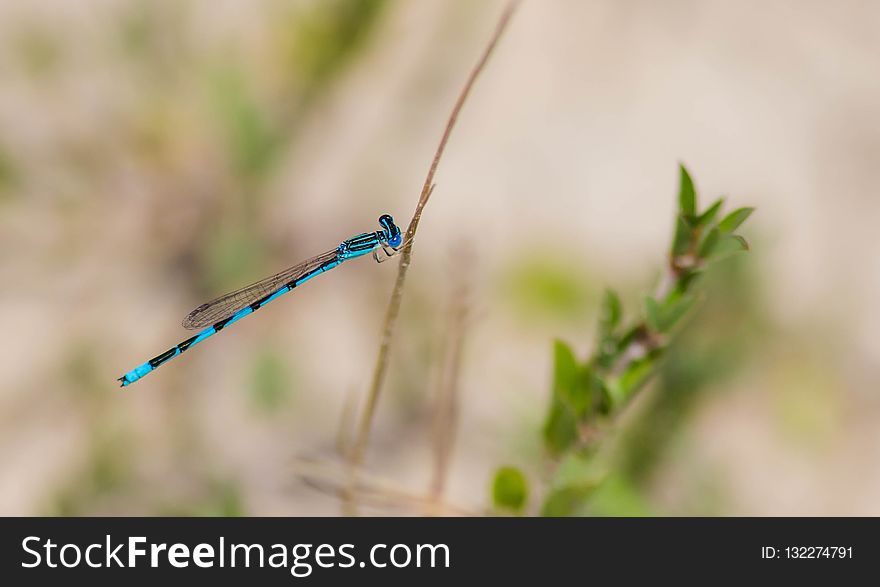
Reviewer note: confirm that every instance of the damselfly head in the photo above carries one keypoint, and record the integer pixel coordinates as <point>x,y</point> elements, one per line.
<point>392,232</point>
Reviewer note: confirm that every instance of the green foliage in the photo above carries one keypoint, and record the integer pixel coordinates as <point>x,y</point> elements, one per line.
<point>578,394</point>
<point>683,236</point>
<point>708,244</point>
<point>733,220</point>
<point>587,393</point>
<point>560,428</point>
<point>706,218</point>
<point>633,375</point>
<point>510,490</point>
<point>662,316</point>
<point>687,196</point>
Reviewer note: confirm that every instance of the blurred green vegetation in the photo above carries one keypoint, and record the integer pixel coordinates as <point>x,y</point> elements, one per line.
<point>711,348</point>
<point>151,31</point>
<point>110,459</point>
<point>39,51</point>
<point>541,288</point>
<point>323,39</point>
<point>509,490</point>
<point>253,136</point>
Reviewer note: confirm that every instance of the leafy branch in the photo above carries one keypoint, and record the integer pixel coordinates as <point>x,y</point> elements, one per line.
<point>588,395</point>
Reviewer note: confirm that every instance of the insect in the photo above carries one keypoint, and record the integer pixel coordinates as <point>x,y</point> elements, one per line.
<point>223,311</point>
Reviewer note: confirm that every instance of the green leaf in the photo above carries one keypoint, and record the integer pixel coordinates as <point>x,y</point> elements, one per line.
<point>560,427</point>
<point>709,242</point>
<point>611,312</point>
<point>728,245</point>
<point>662,317</point>
<point>565,369</point>
<point>686,279</point>
<point>674,310</point>
<point>706,218</point>
<point>732,221</point>
<point>634,376</point>
<point>571,381</point>
<point>687,196</point>
<point>681,242</point>
<point>510,490</point>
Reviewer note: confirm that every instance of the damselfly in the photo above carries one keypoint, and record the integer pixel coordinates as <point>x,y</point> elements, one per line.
<point>223,311</point>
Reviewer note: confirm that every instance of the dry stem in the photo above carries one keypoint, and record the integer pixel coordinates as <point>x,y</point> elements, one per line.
<point>362,439</point>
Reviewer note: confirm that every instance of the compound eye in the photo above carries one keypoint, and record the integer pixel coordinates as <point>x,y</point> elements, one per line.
<point>395,241</point>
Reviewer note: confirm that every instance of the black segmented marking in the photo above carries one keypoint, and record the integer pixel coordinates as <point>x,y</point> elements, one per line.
<point>219,325</point>
<point>172,352</point>
<point>156,361</point>
<point>185,344</point>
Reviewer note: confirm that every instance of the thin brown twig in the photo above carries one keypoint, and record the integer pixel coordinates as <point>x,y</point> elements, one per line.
<point>366,420</point>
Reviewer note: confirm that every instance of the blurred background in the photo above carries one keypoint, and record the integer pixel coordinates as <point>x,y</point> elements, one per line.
<point>156,153</point>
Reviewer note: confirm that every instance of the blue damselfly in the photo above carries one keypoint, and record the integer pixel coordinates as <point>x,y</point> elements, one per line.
<point>223,311</point>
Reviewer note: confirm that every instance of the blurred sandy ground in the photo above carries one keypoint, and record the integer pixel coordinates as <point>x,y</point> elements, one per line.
<point>153,154</point>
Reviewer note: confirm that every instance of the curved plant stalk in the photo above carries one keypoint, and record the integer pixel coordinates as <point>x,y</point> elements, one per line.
<point>361,441</point>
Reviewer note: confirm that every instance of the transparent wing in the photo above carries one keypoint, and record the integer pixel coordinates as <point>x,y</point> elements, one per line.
<point>227,305</point>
